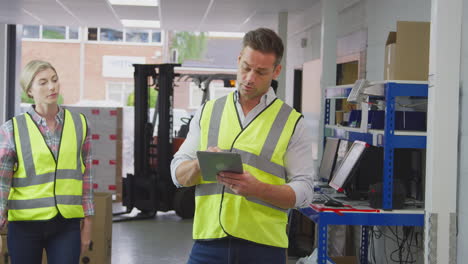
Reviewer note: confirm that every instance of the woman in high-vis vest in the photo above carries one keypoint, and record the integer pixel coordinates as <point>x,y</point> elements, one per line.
<point>46,194</point>
<point>242,217</point>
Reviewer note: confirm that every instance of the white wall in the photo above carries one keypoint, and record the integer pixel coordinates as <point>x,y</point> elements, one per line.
<point>307,25</point>
<point>382,16</point>
<point>462,243</point>
<point>3,31</point>
<point>351,18</point>
<point>301,25</point>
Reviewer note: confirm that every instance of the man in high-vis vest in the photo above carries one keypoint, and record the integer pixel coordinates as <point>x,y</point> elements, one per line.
<point>242,218</point>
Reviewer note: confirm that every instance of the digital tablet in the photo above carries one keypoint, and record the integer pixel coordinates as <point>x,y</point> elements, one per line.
<point>211,163</point>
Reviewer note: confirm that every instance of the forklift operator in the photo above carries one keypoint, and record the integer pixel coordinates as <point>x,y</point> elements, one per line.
<point>242,218</point>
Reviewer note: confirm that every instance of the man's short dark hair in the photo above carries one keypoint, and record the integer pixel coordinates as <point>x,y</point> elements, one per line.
<point>266,41</point>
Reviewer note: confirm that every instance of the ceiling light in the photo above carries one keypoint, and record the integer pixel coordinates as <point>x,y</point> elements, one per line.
<point>135,2</point>
<point>226,34</point>
<point>141,23</point>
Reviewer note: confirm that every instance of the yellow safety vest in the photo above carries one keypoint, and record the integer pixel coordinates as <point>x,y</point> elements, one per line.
<point>262,145</point>
<point>42,187</point>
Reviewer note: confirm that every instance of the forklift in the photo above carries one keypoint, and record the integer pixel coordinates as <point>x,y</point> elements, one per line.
<point>150,188</point>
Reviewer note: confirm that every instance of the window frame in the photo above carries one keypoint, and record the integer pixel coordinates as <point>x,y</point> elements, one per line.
<point>124,38</point>
<point>42,39</point>
<point>123,87</point>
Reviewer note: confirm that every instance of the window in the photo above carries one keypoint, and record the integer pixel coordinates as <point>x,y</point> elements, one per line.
<point>107,34</point>
<point>135,35</point>
<point>31,31</point>
<point>174,56</point>
<point>218,90</point>
<point>50,32</point>
<point>126,36</point>
<point>196,96</point>
<point>73,33</point>
<point>92,34</point>
<point>119,91</point>
<point>156,37</point>
<point>53,32</point>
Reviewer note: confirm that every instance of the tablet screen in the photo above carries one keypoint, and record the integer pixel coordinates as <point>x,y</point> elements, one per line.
<point>211,163</point>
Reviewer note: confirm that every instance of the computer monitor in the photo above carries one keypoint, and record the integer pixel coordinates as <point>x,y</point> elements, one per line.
<point>346,168</point>
<point>341,153</point>
<point>328,159</point>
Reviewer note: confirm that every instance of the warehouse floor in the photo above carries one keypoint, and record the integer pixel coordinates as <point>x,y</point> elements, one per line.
<point>166,239</point>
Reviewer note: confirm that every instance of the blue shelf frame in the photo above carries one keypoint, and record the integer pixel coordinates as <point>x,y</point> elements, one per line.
<point>363,219</point>
<point>327,111</point>
<point>390,140</point>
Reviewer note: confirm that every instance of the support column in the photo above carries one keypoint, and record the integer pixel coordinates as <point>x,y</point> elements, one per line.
<point>3,61</point>
<point>283,33</point>
<point>442,132</point>
<point>13,69</point>
<point>166,51</point>
<point>83,37</point>
<point>462,209</point>
<point>328,57</point>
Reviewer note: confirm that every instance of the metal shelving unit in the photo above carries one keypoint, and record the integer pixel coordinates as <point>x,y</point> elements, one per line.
<point>389,139</point>
<point>364,219</point>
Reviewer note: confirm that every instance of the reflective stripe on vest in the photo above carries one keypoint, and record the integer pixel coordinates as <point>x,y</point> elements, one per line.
<point>42,186</point>
<point>262,145</point>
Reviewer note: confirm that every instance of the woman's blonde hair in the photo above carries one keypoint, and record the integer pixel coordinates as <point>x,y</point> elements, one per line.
<point>30,71</point>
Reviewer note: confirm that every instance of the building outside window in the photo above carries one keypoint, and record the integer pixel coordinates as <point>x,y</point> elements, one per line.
<point>53,32</point>
<point>119,91</point>
<point>73,33</point>
<point>156,36</point>
<point>92,34</point>
<point>32,32</point>
<point>217,90</point>
<point>107,34</point>
<point>138,36</point>
<point>195,97</point>
<point>128,35</point>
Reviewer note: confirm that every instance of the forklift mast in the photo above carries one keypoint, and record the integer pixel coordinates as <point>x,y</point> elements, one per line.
<point>151,189</point>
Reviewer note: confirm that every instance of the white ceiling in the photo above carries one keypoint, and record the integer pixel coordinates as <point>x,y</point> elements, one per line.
<point>188,15</point>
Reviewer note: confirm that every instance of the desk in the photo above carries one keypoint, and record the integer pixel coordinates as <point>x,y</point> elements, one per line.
<point>403,217</point>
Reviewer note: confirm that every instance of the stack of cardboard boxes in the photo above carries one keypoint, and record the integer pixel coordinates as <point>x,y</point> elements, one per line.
<point>4,259</point>
<point>106,132</point>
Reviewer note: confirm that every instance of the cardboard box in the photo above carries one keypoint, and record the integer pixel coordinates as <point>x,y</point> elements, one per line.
<point>106,132</point>
<point>345,260</point>
<point>100,250</point>
<point>407,52</point>
<point>339,117</point>
<point>4,230</point>
<point>4,257</point>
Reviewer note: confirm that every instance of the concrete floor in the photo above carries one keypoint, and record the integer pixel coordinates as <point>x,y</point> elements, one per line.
<point>166,239</point>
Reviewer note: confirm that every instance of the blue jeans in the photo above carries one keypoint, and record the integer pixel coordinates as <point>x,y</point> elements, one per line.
<point>235,251</point>
<point>59,237</point>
